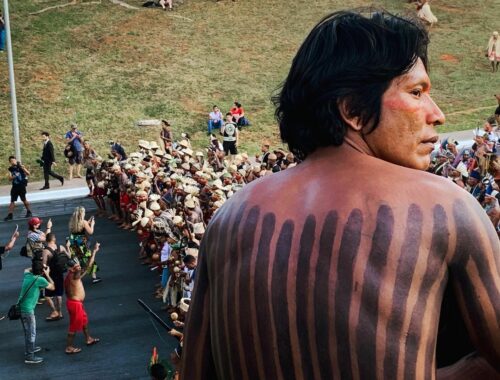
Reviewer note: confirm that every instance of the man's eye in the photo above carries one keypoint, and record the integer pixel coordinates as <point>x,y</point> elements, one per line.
<point>417,93</point>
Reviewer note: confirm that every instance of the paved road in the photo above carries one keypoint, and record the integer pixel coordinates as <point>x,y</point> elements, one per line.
<point>126,331</point>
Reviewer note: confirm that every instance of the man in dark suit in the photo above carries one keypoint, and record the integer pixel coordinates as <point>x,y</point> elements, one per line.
<point>49,159</point>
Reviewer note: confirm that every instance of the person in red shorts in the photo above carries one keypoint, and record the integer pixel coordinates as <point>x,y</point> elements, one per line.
<point>75,294</point>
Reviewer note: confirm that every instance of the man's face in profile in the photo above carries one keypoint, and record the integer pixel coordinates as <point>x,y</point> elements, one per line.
<point>406,133</point>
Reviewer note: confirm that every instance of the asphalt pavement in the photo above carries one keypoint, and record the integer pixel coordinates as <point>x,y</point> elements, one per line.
<point>127,332</point>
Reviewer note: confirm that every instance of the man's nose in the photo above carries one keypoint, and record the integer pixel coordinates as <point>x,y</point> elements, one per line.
<point>435,116</point>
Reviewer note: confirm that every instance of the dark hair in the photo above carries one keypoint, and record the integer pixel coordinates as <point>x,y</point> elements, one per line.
<point>158,372</point>
<point>50,237</point>
<point>189,259</point>
<point>237,104</point>
<point>45,134</point>
<point>214,106</point>
<point>229,114</point>
<point>11,157</point>
<point>349,57</point>
<point>37,267</point>
<point>491,120</point>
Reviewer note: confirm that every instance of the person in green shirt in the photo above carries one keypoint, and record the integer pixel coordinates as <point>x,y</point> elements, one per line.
<point>35,279</point>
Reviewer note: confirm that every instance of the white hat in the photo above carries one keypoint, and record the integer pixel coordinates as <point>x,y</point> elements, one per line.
<point>199,154</point>
<point>184,304</point>
<point>188,151</point>
<point>155,206</point>
<point>192,251</point>
<point>144,222</point>
<point>148,213</point>
<point>144,144</point>
<point>185,166</point>
<point>154,197</point>
<point>198,228</point>
<point>184,143</point>
<point>153,145</point>
<point>177,219</point>
<point>189,203</point>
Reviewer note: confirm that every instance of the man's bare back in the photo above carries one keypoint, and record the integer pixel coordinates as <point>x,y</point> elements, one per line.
<point>350,289</point>
<point>336,269</point>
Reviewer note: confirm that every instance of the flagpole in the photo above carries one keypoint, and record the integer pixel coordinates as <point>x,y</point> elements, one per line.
<point>12,82</point>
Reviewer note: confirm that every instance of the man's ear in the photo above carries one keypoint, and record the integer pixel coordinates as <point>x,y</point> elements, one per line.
<point>352,121</point>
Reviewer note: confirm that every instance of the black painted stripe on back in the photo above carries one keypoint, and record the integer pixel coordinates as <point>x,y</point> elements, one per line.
<point>246,333</point>
<point>366,330</point>
<point>220,298</point>
<point>225,238</point>
<point>231,268</point>
<point>349,245</point>
<point>280,301</point>
<point>406,264</point>
<point>302,294</point>
<point>262,298</point>
<point>469,242</point>
<point>217,281</point>
<point>321,288</point>
<point>435,261</point>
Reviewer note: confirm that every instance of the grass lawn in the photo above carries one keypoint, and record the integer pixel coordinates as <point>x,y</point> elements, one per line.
<point>105,66</point>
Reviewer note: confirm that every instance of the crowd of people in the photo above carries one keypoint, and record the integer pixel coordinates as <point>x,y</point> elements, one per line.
<point>476,168</point>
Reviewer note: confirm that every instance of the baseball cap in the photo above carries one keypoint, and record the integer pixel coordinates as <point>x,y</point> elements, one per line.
<point>34,221</point>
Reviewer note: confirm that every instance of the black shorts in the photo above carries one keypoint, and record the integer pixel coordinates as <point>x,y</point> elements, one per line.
<point>229,147</point>
<point>18,192</point>
<point>58,279</point>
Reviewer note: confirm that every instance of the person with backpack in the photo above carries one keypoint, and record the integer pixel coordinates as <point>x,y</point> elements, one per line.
<point>56,258</point>
<point>36,279</point>
<point>18,175</point>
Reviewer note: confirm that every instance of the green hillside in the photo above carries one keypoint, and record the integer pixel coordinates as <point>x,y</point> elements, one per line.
<point>105,66</point>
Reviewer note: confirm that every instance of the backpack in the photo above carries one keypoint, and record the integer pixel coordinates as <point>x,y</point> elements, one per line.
<point>59,260</point>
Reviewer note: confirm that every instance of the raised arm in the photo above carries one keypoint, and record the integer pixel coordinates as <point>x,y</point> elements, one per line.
<point>475,274</point>
<point>92,258</point>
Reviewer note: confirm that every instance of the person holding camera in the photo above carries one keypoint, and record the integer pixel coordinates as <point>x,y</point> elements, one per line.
<point>18,175</point>
<point>36,278</point>
<point>48,160</point>
<point>80,230</point>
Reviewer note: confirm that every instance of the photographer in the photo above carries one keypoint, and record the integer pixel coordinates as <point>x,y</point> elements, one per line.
<point>35,279</point>
<point>18,175</point>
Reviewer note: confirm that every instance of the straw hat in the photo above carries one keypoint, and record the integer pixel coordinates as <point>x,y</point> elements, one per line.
<point>155,206</point>
<point>144,144</point>
<point>184,304</point>
<point>198,228</point>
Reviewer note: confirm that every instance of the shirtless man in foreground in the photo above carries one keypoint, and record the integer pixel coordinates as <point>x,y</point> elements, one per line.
<point>75,295</point>
<point>336,269</point>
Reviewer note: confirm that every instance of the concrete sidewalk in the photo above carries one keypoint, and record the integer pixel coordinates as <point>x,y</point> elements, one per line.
<point>76,188</point>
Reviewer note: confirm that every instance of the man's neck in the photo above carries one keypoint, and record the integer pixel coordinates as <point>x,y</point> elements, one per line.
<point>356,141</point>
<point>52,245</point>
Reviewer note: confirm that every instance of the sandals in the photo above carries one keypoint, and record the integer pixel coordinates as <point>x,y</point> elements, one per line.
<point>93,341</point>
<point>72,351</point>
<point>52,319</point>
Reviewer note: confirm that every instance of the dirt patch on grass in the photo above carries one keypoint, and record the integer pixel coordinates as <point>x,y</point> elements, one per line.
<point>449,8</point>
<point>449,58</point>
<point>46,84</point>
